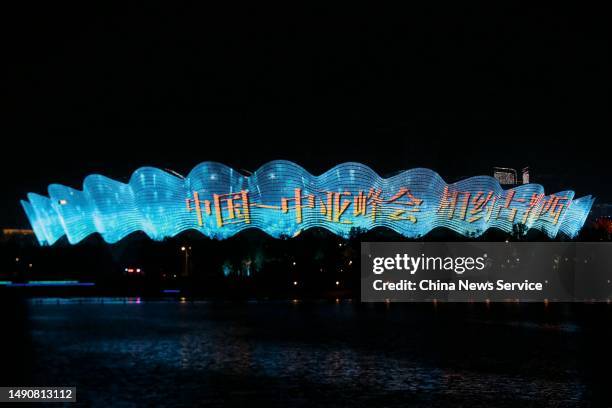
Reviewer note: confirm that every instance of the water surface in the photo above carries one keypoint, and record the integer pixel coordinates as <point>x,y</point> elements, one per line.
<point>131,352</point>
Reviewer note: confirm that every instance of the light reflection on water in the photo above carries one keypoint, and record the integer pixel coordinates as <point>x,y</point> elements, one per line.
<point>282,353</point>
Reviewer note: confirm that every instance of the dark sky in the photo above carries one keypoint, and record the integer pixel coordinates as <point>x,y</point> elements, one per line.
<point>104,87</point>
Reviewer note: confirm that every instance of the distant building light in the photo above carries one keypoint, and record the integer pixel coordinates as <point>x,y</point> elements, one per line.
<point>526,175</point>
<point>505,175</point>
<point>295,283</point>
<point>509,176</point>
<point>16,232</point>
<point>63,202</point>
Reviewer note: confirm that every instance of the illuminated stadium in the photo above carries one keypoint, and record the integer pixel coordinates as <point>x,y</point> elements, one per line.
<point>283,199</point>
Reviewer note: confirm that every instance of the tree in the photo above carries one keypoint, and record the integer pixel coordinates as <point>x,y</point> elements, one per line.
<point>603,228</point>
<point>519,231</point>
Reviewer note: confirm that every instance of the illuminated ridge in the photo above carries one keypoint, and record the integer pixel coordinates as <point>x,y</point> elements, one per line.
<point>162,205</point>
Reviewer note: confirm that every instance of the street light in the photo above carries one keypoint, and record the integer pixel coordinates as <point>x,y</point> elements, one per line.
<point>186,250</point>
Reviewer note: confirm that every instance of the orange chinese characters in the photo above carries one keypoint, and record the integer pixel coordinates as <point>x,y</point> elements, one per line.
<point>334,206</point>
<point>505,207</point>
<point>467,206</point>
<point>403,204</point>
<point>552,208</point>
<point>371,201</point>
<point>449,200</point>
<point>228,208</point>
<point>472,207</point>
<point>532,208</point>
<point>480,202</point>
<point>299,201</point>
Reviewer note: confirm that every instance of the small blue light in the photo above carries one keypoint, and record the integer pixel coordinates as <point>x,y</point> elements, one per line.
<point>50,283</point>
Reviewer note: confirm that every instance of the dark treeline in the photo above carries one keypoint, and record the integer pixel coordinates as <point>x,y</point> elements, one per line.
<point>316,263</point>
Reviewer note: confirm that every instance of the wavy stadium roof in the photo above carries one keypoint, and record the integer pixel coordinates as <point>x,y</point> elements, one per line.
<point>350,195</point>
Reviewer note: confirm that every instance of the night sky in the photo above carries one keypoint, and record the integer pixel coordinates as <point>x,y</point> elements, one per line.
<point>99,87</point>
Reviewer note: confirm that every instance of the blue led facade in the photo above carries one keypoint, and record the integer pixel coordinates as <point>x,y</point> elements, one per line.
<point>283,199</point>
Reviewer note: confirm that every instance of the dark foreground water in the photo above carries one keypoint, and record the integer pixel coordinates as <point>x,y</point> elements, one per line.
<point>288,354</point>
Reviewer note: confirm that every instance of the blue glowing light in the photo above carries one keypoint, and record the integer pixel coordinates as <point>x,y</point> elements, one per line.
<point>283,199</point>
<point>49,283</point>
